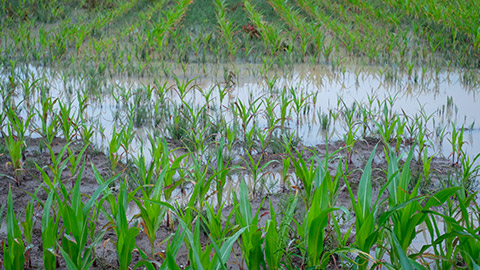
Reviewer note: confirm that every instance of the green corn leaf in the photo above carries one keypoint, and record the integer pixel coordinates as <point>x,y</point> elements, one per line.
<point>245,208</point>
<point>364,194</point>
<point>49,234</point>
<point>223,253</point>
<point>440,197</point>
<point>68,260</point>
<point>273,248</point>
<point>316,233</point>
<point>191,241</point>
<point>88,206</point>
<point>13,257</point>
<point>404,261</point>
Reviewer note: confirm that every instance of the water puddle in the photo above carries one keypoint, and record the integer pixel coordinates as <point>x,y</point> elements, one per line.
<point>316,94</point>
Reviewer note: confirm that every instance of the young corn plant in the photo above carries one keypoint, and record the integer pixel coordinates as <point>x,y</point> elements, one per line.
<point>172,250</point>
<point>386,128</point>
<point>49,233</point>
<point>86,134</point>
<point>68,121</point>
<point>77,249</point>
<point>76,159</point>
<point>215,254</point>
<point>349,137</point>
<point>226,28</point>
<point>222,170</point>
<point>58,165</point>
<point>231,137</point>
<point>145,174</point>
<point>213,222</point>
<point>312,230</point>
<point>270,114</point>
<point>271,35</point>
<point>457,143</point>
<point>469,170</point>
<point>299,103</point>
<point>125,235</point>
<point>127,138</point>
<point>27,226</point>
<point>251,238</point>
<point>368,230</point>
<point>246,112</point>
<point>113,149</point>
<point>256,169</point>
<point>284,108</point>
<point>15,150</point>
<point>264,137</point>
<point>277,235</point>
<point>306,172</point>
<point>49,129</point>
<point>14,248</point>
<point>176,164</point>
<point>18,124</point>
<point>461,233</point>
<point>421,140</point>
<point>152,209</point>
<point>406,211</point>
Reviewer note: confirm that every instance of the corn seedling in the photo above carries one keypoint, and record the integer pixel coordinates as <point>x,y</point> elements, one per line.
<point>125,235</point>
<point>114,147</point>
<point>306,172</point>
<point>14,248</point>
<point>251,238</point>
<point>18,124</point>
<point>76,249</point>
<point>226,28</point>
<point>68,122</point>
<point>469,170</point>
<point>49,233</point>
<point>76,159</point>
<point>368,229</point>
<point>49,129</point>
<point>15,150</point>
<point>27,226</point>
<point>222,170</point>
<point>312,230</point>
<point>256,169</point>
<point>457,143</point>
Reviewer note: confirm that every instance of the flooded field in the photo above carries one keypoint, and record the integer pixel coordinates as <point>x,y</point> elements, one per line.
<point>239,134</point>
<point>444,100</point>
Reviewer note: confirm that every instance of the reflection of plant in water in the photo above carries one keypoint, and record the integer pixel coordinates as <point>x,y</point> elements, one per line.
<point>324,120</point>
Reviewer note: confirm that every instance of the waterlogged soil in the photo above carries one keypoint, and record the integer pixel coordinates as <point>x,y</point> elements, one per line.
<point>106,258</point>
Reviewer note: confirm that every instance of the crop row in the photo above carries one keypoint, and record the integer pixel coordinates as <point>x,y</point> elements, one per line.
<point>409,33</point>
